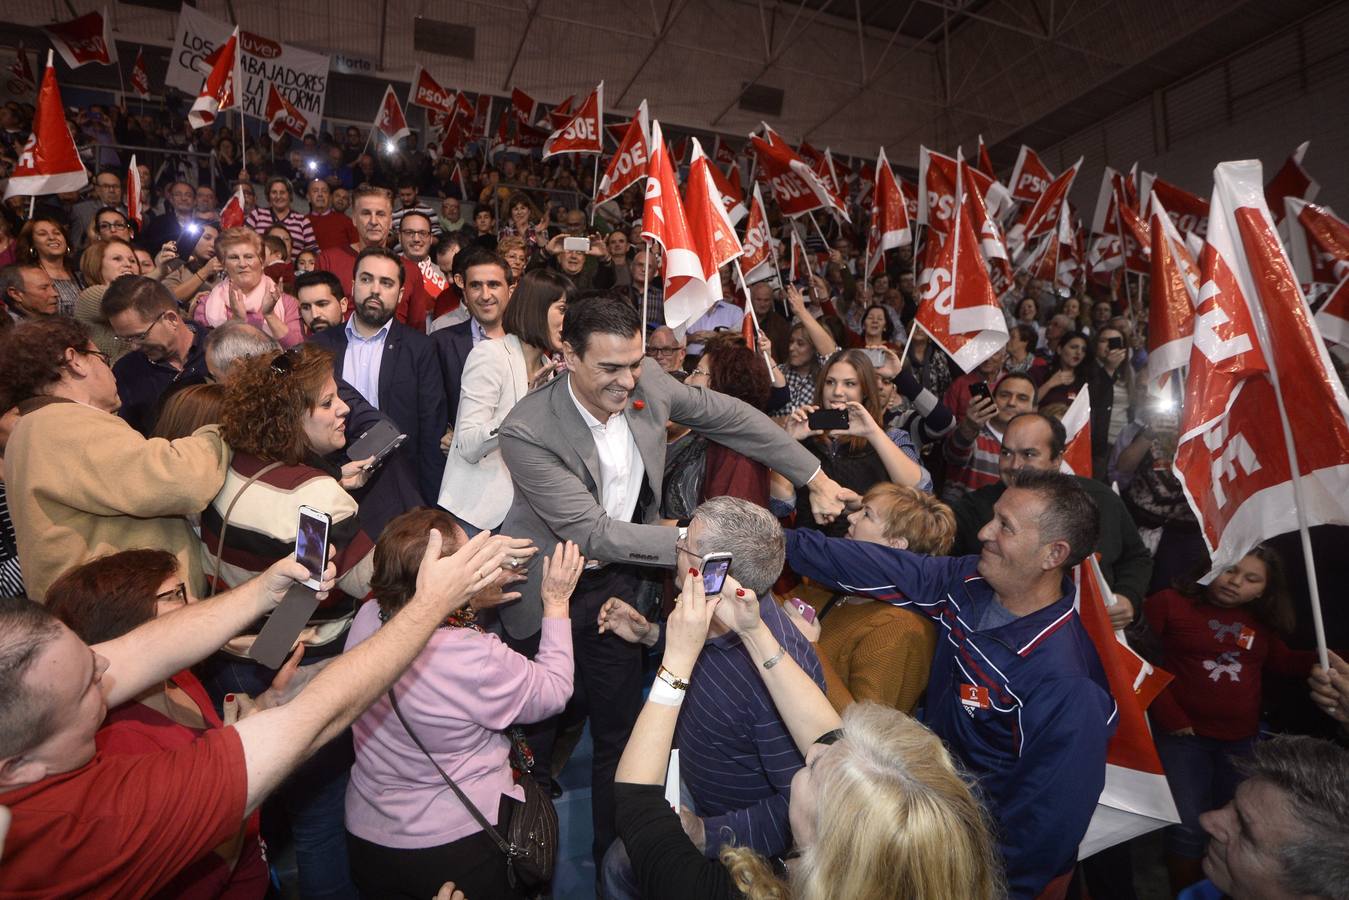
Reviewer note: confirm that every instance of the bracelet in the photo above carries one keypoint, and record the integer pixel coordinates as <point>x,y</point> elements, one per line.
<point>774,660</point>
<point>673,680</point>
<point>664,694</point>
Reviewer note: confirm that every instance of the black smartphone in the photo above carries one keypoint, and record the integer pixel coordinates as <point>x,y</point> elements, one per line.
<point>715,568</point>
<point>1115,343</point>
<point>980,389</point>
<point>378,441</point>
<point>828,420</point>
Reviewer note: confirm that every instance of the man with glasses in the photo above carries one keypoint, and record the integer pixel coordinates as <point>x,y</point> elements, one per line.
<point>166,350</point>
<point>80,481</point>
<point>106,192</point>
<point>667,350</point>
<point>416,237</point>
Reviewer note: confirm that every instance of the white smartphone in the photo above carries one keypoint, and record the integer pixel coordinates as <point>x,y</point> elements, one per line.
<point>715,568</point>
<point>579,244</point>
<point>311,544</point>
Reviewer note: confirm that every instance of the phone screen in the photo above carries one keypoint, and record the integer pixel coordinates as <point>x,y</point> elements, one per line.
<point>311,543</point>
<point>979,389</point>
<point>714,574</point>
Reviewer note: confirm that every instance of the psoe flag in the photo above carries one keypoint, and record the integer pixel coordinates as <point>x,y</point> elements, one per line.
<point>628,165</point>
<point>49,162</point>
<point>581,133</point>
<point>84,40</point>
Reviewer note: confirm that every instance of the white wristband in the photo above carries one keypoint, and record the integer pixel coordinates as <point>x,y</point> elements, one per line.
<point>664,694</point>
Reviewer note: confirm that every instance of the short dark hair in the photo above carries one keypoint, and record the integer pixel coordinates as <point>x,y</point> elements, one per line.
<point>414,212</point>
<point>277,179</point>
<point>479,255</point>
<point>600,314</point>
<point>450,239</point>
<point>1069,512</point>
<point>325,278</point>
<point>526,315</point>
<point>1027,333</point>
<point>26,628</point>
<point>888,332</point>
<point>149,298</point>
<point>106,597</point>
<point>1019,376</point>
<point>407,183</point>
<point>274,243</point>
<point>1058,435</point>
<point>33,355</point>
<point>382,253</point>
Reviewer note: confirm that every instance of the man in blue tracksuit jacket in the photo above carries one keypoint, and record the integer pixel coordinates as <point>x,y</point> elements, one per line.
<point>1016,688</point>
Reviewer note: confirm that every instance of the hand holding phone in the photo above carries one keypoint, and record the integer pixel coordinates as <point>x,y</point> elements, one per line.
<point>311,544</point>
<point>980,389</point>
<point>828,420</point>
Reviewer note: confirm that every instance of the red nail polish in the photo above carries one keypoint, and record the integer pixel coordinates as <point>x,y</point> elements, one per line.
<point>693,571</point>
<point>739,592</point>
<point>229,698</point>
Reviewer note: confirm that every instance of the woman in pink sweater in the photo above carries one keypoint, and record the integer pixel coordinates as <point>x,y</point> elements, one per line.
<point>406,830</point>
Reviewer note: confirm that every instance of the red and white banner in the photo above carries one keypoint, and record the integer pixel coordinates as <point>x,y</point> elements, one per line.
<point>992,243</point>
<point>1252,330</point>
<point>958,307</point>
<point>1333,317</point>
<point>1318,241</point>
<point>796,187</point>
<point>1030,177</point>
<point>482,117</point>
<point>890,227</point>
<point>723,154</point>
<point>581,133</point>
<point>732,194</point>
<point>456,134</point>
<point>49,162</point>
<point>426,92</point>
<point>1292,180</point>
<point>232,216</point>
<point>523,106</point>
<point>799,268</point>
<point>1173,294</point>
<point>757,262</point>
<point>687,293</point>
<point>628,165</point>
<point>390,120</point>
<point>910,200</point>
<point>218,91</point>
<point>561,114</point>
<point>133,189</point>
<point>1043,216</point>
<point>84,40</point>
<point>713,235</point>
<point>984,164</point>
<point>283,117</point>
<point>1136,798</point>
<point>140,76</point>
<point>1077,447</point>
<point>936,190</point>
<point>1188,211</point>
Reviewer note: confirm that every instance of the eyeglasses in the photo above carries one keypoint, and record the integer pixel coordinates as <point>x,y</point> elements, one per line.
<point>283,363</point>
<point>685,548</point>
<point>414,234</point>
<point>113,226</point>
<point>99,353</point>
<point>133,339</point>
<point>662,351</point>
<point>177,594</point>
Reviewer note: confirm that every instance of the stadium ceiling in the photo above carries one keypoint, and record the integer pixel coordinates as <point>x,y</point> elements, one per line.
<point>849,74</point>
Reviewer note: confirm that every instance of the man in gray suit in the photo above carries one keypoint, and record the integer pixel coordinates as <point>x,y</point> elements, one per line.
<point>587,457</point>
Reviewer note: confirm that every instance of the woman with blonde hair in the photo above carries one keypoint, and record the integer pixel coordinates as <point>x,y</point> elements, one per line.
<point>880,809</point>
<point>247,294</point>
<point>102,263</point>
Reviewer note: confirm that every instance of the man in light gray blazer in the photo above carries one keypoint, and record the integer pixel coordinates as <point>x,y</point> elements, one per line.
<point>587,455</point>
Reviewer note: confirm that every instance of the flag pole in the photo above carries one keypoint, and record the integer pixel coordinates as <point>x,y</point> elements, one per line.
<point>904,352</point>
<point>754,316</point>
<point>646,282</point>
<point>811,215</point>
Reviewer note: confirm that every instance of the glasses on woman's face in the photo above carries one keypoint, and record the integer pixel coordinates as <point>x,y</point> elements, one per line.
<point>106,227</point>
<point>99,353</point>
<point>177,594</point>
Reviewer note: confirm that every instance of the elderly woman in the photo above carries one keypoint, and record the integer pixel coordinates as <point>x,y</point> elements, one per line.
<point>406,833</point>
<point>43,241</point>
<point>247,294</point>
<point>102,263</point>
<point>476,486</point>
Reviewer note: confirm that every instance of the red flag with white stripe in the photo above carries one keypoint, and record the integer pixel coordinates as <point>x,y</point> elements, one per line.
<point>1077,424</point>
<point>1318,242</point>
<point>140,76</point>
<point>523,106</point>
<point>1188,211</point>
<point>390,119</point>
<point>217,92</point>
<point>1173,293</point>
<point>426,92</point>
<point>1292,180</point>
<point>732,195</point>
<point>910,193</point>
<point>796,187</point>
<point>628,165</point>
<point>49,163</point>
<point>985,164</point>
<point>756,263</point>
<point>84,40</point>
<point>283,117</point>
<point>1257,363</point>
<point>561,114</point>
<point>890,228</point>
<point>1043,216</point>
<point>992,243</point>
<point>232,216</point>
<point>581,133</point>
<point>799,267</point>
<point>133,194</point>
<point>1333,317</point>
<point>687,293</point>
<point>1030,177</point>
<point>713,235</point>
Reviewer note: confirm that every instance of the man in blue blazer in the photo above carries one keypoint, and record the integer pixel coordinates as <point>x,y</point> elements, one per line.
<point>393,366</point>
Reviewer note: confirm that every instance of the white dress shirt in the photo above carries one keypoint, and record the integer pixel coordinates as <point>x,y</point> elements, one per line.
<point>621,468</point>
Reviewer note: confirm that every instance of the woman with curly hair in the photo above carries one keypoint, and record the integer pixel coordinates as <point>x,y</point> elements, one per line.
<point>283,419</point>
<point>43,242</point>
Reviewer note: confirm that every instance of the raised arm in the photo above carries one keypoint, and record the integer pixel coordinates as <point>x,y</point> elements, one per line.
<point>819,336</point>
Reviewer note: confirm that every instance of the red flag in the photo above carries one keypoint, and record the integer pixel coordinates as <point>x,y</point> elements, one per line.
<point>1136,798</point>
<point>232,216</point>
<point>390,119</point>
<point>562,113</point>
<point>958,307</point>
<point>799,268</point>
<point>1318,241</point>
<point>936,190</point>
<point>1173,293</point>
<point>456,135</point>
<point>628,165</point>
<point>796,188</point>
<point>1043,216</point>
<point>482,114</point>
<point>992,243</point>
<point>503,136</point>
<point>49,162</point>
<point>1030,177</point>
<point>681,152</point>
<point>133,194</point>
<point>523,106</point>
<point>581,133</point>
<point>809,154</point>
<point>83,40</point>
<point>140,76</point>
<point>426,92</point>
<point>1188,211</point>
<point>910,193</point>
<point>723,153</point>
<point>283,117</point>
<point>1252,327</point>
<point>889,218</point>
<point>217,91</point>
<point>713,235</point>
<point>1333,317</point>
<point>687,294</point>
<point>731,193</point>
<point>1292,180</point>
<point>21,70</point>
<point>757,262</point>
<point>1077,447</point>
<point>529,137</point>
<point>985,164</point>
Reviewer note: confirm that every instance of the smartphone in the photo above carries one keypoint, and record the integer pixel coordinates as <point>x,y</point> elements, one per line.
<point>828,420</point>
<point>876,355</point>
<point>576,243</point>
<point>273,644</point>
<point>980,389</point>
<point>805,609</point>
<point>378,441</point>
<point>1115,343</point>
<point>311,544</point>
<point>715,568</point>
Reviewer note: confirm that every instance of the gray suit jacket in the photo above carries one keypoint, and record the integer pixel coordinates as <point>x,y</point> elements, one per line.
<point>552,460</point>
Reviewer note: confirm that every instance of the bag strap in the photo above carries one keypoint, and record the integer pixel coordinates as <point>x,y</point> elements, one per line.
<point>225,525</point>
<point>500,841</point>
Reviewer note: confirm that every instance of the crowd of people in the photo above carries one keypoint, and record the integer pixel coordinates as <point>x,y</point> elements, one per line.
<point>815,557</point>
